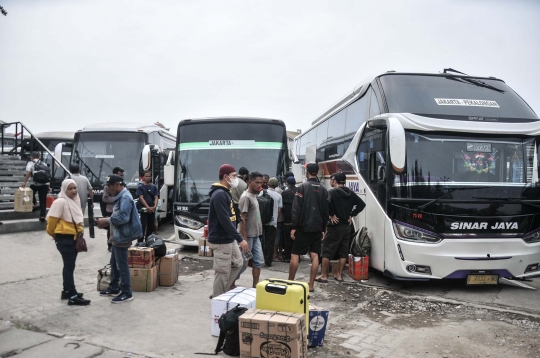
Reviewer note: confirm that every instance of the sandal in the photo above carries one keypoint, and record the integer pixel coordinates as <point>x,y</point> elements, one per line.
<point>311,291</point>
<point>320,280</point>
<point>338,280</point>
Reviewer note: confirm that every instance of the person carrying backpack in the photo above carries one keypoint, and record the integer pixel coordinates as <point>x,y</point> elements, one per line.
<point>41,177</point>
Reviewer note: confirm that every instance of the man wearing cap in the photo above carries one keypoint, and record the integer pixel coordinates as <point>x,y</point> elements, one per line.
<point>223,238</point>
<point>288,199</point>
<point>125,227</point>
<point>271,235</point>
<point>309,220</point>
<point>343,205</point>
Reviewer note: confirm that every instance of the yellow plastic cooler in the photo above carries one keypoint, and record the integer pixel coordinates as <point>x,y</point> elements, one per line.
<point>283,295</point>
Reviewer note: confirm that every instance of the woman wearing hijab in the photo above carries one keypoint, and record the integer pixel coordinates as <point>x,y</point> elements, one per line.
<point>64,220</point>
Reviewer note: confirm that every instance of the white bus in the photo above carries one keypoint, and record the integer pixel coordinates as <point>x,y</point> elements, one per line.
<point>203,145</point>
<point>447,165</point>
<point>135,147</point>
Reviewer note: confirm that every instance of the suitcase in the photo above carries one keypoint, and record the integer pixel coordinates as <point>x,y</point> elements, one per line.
<point>283,295</point>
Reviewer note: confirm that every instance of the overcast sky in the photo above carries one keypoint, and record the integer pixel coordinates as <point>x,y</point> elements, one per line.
<point>65,64</point>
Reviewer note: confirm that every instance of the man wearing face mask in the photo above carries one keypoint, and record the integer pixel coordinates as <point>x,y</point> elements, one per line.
<point>223,238</point>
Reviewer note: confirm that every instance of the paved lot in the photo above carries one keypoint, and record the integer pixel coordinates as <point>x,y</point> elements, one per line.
<point>379,318</point>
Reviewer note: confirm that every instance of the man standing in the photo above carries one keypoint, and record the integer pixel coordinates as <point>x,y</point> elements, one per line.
<point>108,199</point>
<point>239,190</point>
<point>343,205</point>
<point>309,220</point>
<point>125,227</point>
<point>41,188</point>
<point>266,178</point>
<point>84,188</point>
<point>270,229</point>
<point>223,238</point>
<point>251,225</point>
<point>148,195</point>
<point>288,199</point>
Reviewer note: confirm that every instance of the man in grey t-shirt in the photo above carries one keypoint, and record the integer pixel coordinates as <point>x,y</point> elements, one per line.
<point>84,188</point>
<point>251,225</point>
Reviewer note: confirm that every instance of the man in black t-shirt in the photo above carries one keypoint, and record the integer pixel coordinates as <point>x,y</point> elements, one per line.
<point>309,220</point>
<point>148,198</point>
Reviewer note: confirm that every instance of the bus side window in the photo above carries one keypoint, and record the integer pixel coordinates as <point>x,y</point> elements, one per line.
<point>371,154</point>
<point>374,108</point>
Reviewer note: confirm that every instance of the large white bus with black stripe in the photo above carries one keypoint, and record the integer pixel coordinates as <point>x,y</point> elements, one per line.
<point>447,165</point>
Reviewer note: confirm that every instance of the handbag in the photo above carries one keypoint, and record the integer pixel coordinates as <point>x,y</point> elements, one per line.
<point>80,242</point>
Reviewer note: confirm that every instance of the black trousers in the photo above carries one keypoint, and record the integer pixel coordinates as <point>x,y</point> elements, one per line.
<point>42,194</point>
<point>287,241</point>
<point>66,245</point>
<point>147,222</point>
<point>268,247</point>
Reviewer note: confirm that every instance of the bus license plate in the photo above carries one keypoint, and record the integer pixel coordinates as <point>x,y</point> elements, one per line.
<point>482,279</point>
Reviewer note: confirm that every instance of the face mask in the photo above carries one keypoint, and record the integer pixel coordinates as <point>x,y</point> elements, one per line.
<point>233,183</point>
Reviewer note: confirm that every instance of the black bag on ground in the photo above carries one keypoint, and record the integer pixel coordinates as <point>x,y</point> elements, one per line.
<point>42,173</point>
<point>157,244</point>
<point>361,243</point>
<point>229,333</point>
<point>266,207</point>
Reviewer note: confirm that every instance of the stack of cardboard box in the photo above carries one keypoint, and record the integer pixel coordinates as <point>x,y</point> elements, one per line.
<point>168,269</point>
<point>142,268</point>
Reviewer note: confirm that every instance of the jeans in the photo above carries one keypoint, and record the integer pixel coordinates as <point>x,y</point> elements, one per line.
<point>147,222</point>
<point>120,270</point>
<point>42,194</point>
<point>254,244</point>
<point>66,245</point>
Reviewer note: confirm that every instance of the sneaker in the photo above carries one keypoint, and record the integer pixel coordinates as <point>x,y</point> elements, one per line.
<point>109,292</point>
<point>123,297</point>
<point>78,301</point>
<point>66,295</point>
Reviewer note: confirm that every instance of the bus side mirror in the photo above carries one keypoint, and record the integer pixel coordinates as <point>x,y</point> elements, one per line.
<point>396,136</point>
<point>58,152</point>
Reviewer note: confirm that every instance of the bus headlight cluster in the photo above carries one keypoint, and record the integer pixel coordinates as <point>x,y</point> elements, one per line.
<point>188,222</point>
<point>408,233</point>
<point>533,236</point>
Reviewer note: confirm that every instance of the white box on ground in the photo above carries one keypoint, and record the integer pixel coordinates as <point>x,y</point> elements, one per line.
<point>240,296</point>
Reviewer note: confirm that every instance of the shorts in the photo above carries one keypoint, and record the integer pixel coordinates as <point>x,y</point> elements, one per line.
<point>337,239</point>
<point>305,242</point>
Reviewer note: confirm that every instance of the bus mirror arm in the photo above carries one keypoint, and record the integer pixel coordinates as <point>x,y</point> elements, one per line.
<point>381,173</point>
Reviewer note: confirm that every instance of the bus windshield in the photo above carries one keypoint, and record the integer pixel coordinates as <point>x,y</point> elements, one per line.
<point>434,161</point>
<point>97,153</point>
<point>451,97</point>
<point>204,147</point>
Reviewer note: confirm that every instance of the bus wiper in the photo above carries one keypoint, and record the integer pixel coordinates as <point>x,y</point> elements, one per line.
<point>508,198</point>
<point>88,170</point>
<point>199,204</point>
<point>423,206</point>
<point>475,82</point>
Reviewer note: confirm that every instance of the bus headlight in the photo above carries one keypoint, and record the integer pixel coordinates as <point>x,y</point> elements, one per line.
<point>414,234</point>
<point>188,222</point>
<point>533,236</point>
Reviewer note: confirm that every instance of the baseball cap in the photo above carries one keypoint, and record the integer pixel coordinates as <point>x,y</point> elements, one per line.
<point>340,178</point>
<point>312,168</point>
<point>273,181</point>
<point>113,178</point>
<point>291,180</point>
<point>226,169</point>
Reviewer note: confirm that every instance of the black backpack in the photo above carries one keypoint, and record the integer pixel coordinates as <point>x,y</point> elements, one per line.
<point>42,173</point>
<point>266,207</point>
<point>229,332</point>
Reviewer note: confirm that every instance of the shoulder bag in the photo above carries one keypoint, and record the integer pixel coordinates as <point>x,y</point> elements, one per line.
<point>80,242</point>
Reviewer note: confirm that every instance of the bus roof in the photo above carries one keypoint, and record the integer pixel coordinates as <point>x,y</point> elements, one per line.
<point>56,135</point>
<point>122,127</point>
<point>359,89</point>
<point>234,119</point>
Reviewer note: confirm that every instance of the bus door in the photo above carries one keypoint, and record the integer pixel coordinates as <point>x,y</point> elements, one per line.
<point>372,166</point>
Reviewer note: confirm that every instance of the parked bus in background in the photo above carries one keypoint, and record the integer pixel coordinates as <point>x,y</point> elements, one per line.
<point>136,147</point>
<point>51,140</point>
<point>447,165</point>
<point>203,145</point>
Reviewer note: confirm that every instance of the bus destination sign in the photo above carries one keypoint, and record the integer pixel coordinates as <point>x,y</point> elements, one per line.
<point>230,143</point>
<point>466,102</point>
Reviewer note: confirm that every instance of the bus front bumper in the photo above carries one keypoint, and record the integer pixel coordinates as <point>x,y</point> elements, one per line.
<point>187,237</point>
<point>458,258</point>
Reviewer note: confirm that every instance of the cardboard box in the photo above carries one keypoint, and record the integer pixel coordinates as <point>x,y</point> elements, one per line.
<point>318,322</point>
<point>144,280</point>
<point>204,249</point>
<point>168,270</point>
<point>23,200</point>
<point>240,296</point>
<point>272,334</point>
<point>141,257</point>
<point>358,267</point>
